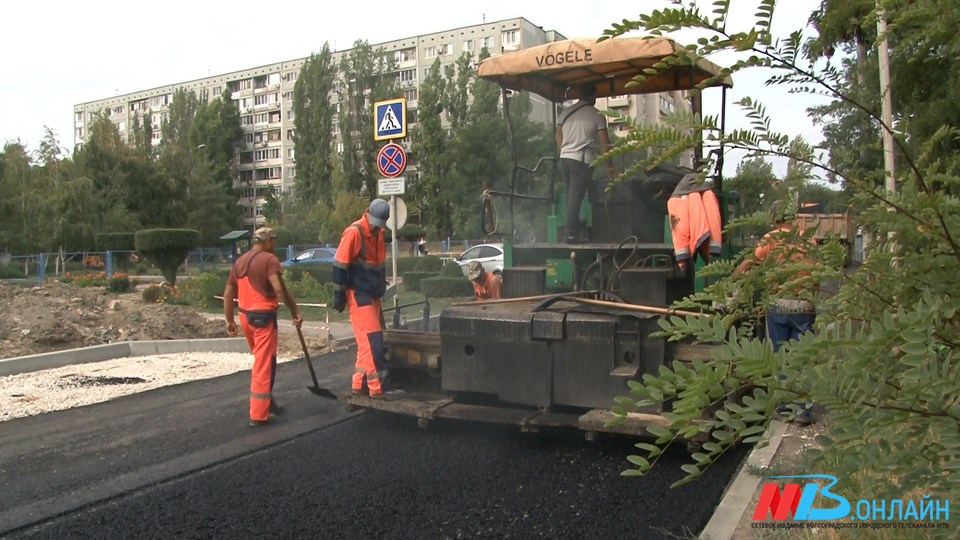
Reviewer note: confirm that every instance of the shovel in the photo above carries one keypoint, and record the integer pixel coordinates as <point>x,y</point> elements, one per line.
<point>322,392</point>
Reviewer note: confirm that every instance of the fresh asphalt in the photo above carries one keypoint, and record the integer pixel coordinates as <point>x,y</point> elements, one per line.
<point>180,462</point>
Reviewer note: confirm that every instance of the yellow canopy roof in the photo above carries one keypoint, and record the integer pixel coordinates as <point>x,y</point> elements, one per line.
<point>557,70</point>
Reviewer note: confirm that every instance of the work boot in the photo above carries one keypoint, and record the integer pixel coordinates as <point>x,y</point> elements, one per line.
<point>257,423</point>
<point>359,391</point>
<point>276,409</point>
<point>388,395</point>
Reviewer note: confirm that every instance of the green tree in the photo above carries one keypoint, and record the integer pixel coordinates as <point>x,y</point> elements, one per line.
<point>756,183</point>
<point>885,364</point>
<point>367,77</point>
<point>166,248</point>
<point>313,119</point>
<point>429,147</point>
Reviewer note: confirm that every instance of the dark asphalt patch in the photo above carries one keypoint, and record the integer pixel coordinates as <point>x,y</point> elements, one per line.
<point>380,476</point>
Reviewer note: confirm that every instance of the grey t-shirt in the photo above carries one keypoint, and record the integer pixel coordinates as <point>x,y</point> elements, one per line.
<point>580,124</point>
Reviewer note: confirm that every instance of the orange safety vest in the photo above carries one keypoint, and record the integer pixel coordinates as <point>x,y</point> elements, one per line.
<point>360,262</point>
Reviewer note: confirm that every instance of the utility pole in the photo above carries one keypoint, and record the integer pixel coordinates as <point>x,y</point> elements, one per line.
<point>886,111</point>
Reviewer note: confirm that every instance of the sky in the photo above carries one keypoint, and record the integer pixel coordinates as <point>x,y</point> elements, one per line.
<point>63,53</point>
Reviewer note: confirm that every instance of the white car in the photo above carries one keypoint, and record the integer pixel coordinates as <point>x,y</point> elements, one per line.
<point>489,255</point>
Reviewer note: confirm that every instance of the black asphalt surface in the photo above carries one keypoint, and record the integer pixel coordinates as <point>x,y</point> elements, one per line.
<point>179,462</point>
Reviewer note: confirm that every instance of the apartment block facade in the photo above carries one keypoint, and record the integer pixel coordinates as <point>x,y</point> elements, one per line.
<point>264,97</point>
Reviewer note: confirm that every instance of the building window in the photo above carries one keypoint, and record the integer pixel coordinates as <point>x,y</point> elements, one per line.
<point>80,133</point>
<point>273,153</point>
<point>289,134</point>
<point>410,95</point>
<point>261,118</point>
<point>288,96</point>
<point>666,104</point>
<point>445,49</point>
<point>486,42</point>
<point>260,155</point>
<point>118,109</point>
<point>217,90</point>
<point>289,114</point>
<point>246,120</point>
<point>291,153</point>
<point>78,116</point>
<point>246,157</point>
<point>290,76</point>
<point>468,45</point>
<point>405,55</point>
<point>246,176</point>
<point>430,52</point>
<point>510,37</point>
<point>273,79</point>
<point>259,210</point>
<point>273,135</point>
<point>260,99</point>
<point>291,172</point>
<point>275,117</point>
<point>245,84</point>
<point>407,75</point>
<point>274,172</point>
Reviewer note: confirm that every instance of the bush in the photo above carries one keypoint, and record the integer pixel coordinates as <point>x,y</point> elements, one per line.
<point>451,270</point>
<point>309,289</point>
<point>199,290</point>
<point>86,279</point>
<point>446,287</point>
<point>119,283</point>
<point>166,248</point>
<point>405,264</point>
<point>429,263</point>
<point>123,241</point>
<point>411,231</point>
<point>412,279</point>
<point>322,272</point>
<point>9,272</point>
<point>156,294</point>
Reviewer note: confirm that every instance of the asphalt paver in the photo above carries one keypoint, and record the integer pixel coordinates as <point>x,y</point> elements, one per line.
<point>318,472</point>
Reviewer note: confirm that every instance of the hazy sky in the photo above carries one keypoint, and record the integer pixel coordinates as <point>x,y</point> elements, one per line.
<point>58,54</point>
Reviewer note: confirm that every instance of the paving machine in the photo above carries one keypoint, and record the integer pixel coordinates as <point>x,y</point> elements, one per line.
<point>575,323</point>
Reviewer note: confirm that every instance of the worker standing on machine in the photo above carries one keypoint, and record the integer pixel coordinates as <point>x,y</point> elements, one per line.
<point>360,280</point>
<point>581,132</point>
<point>485,284</point>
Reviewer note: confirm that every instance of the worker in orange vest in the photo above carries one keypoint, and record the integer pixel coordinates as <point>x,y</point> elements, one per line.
<point>256,278</point>
<point>485,284</point>
<point>360,280</point>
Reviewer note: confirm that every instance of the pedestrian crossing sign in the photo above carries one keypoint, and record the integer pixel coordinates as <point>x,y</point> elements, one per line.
<point>390,119</point>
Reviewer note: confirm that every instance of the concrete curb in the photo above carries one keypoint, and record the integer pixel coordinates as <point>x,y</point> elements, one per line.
<point>723,524</point>
<point>122,349</point>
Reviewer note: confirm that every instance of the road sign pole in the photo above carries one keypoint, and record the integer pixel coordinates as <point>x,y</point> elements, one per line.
<point>393,251</point>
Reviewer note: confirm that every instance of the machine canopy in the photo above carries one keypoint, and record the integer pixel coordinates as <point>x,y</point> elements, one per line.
<point>557,70</point>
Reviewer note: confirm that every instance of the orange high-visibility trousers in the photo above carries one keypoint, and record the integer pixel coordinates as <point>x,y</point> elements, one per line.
<point>679,228</point>
<point>711,207</point>
<point>263,344</point>
<point>368,331</point>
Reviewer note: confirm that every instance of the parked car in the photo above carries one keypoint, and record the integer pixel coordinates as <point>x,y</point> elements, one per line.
<point>312,255</point>
<point>489,255</point>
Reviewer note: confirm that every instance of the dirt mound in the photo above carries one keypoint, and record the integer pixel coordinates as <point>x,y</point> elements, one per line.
<point>57,316</point>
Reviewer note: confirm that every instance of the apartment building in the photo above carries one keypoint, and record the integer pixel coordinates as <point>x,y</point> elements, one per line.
<point>264,96</point>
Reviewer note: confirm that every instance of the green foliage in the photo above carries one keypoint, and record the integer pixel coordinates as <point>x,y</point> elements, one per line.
<point>306,288</point>
<point>119,283</point>
<point>412,279</point>
<point>313,120</point>
<point>451,269</point>
<point>157,294</point>
<point>429,263</point>
<point>119,241</point>
<point>10,272</point>
<point>411,231</point>
<point>321,272</point>
<point>884,362</point>
<point>446,287</point>
<point>406,264</point>
<point>166,248</point>
<point>200,290</point>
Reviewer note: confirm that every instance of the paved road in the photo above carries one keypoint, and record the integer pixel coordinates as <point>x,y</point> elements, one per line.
<point>180,462</point>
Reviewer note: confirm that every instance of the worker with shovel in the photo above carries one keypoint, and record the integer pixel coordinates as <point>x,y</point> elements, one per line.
<point>256,278</point>
<point>360,281</point>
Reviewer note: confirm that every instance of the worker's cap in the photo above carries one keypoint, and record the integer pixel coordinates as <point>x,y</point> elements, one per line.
<point>474,270</point>
<point>379,212</point>
<point>263,234</point>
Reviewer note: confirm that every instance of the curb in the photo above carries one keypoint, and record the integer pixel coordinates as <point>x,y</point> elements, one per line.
<point>122,349</point>
<point>726,518</point>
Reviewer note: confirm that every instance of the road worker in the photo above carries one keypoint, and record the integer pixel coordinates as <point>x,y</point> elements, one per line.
<point>485,284</point>
<point>360,280</point>
<point>789,314</point>
<point>255,281</point>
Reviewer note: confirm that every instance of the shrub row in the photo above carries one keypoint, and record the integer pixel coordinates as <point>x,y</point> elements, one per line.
<point>446,287</point>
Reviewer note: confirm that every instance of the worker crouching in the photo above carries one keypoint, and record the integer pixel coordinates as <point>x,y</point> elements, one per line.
<point>485,284</point>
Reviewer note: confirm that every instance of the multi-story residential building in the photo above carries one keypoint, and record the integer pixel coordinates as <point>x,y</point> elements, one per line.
<point>264,97</point>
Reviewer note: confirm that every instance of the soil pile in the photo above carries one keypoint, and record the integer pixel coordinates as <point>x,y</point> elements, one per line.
<point>58,316</point>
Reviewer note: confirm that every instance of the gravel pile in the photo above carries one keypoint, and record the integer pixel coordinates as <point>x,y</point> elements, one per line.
<point>27,394</point>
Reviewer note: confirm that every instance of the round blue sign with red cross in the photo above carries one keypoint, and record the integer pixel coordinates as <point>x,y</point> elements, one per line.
<point>391,160</point>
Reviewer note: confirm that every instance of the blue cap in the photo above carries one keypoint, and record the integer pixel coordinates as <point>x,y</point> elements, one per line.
<point>379,212</point>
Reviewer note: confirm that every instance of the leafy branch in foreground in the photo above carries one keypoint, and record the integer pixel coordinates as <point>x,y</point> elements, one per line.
<point>884,361</point>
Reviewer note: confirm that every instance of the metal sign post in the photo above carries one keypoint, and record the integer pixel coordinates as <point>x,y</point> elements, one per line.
<point>393,253</point>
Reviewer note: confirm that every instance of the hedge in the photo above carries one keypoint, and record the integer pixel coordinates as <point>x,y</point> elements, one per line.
<point>429,263</point>
<point>451,270</point>
<point>406,264</point>
<point>122,241</point>
<point>445,287</point>
<point>412,280</point>
<point>411,231</point>
<point>9,272</point>
<point>322,272</point>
